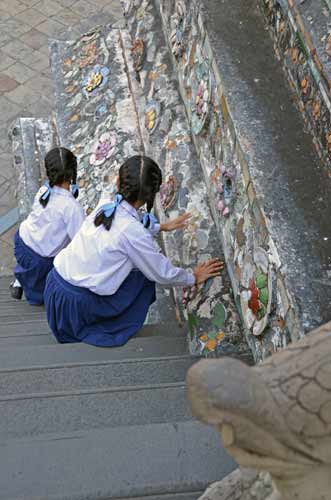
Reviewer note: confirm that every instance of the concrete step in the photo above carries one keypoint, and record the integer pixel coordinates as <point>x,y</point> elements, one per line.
<point>169,496</point>
<point>31,415</point>
<point>97,375</point>
<point>71,354</point>
<point>38,333</point>
<point>10,342</point>
<point>34,330</point>
<point>169,461</point>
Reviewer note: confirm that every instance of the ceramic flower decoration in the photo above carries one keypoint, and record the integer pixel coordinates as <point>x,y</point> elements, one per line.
<point>202,99</point>
<point>168,192</point>
<point>201,92</point>
<point>226,187</point>
<point>95,80</point>
<point>152,115</point>
<point>100,111</point>
<point>255,297</point>
<point>177,34</point>
<point>189,294</point>
<point>89,55</point>
<point>210,341</point>
<point>138,54</point>
<point>102,149</point>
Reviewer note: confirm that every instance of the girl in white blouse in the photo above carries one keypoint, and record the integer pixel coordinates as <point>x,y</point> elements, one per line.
<point>54,220</point>
<point>103,283</point>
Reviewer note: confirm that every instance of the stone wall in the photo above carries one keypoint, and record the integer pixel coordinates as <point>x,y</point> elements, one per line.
<point>302,42</point>
<point>210,313</point>
<point>254,265</point>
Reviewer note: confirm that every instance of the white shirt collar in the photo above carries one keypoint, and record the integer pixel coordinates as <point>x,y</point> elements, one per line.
<point>61,191</point>
<point>130,209</point>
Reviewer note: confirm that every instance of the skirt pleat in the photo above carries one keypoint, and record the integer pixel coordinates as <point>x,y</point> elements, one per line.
<point>75,314</point>
<point>31,271</point>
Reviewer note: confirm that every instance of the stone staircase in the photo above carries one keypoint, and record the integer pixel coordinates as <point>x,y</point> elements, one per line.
<point>81,422</point>
<point>177,83</point>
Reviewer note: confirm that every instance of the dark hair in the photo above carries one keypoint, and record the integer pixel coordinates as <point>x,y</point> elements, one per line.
<point>140,179</point>
<point>61,166</point>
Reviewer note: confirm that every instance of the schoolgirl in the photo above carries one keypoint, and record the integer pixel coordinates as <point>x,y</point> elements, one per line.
<point>103,283</point>
<point>54,220</point>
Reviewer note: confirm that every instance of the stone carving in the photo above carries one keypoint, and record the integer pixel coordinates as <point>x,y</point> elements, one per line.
<point>243,484</point>
<point>275,417</point>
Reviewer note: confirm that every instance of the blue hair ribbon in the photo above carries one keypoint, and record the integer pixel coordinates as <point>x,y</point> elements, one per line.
<point>48,191</point>
<point>110,208</point>
<point>74,189</point>
<point>149,220</point>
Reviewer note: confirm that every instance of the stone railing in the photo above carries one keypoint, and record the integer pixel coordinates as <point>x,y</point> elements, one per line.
<point>274,418</point>
<point>302,42</point>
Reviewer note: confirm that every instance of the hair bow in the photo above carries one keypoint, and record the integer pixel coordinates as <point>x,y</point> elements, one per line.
<point>48,191</point>
<point>110,208</point>
<point>149,221</point>
<point>74,189</point>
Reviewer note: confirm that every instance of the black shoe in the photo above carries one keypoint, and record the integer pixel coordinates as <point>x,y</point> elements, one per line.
<point>16,291</point>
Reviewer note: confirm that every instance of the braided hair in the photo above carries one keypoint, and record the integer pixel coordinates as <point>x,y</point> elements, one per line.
<point>140,179</point>
<point>61,166</point>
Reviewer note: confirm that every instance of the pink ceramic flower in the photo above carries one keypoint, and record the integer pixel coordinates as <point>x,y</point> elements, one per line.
<point>102,149</point>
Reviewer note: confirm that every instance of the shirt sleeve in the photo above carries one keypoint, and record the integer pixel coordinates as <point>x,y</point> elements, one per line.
<point>154,231</point>
<point>144,255</point>
<point>74,218</point>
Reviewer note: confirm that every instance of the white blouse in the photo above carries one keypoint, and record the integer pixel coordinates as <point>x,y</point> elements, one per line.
<point>101,260</point>
<point>48,230</point>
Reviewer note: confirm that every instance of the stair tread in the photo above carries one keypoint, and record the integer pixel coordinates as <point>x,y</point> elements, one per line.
<point>294,188</point>
<point>98,375</point>
<point>32,415</point>
<point>179,457</point>
<point>64,354</point>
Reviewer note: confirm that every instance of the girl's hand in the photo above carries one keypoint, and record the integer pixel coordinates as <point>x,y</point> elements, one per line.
<point>207,270</point>
<point>178,223</point>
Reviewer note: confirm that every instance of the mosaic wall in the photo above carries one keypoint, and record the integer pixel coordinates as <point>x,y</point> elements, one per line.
<point>115,98</point>
<point>302,41</point>
<point>210,311</point>
<point>251,256</point>
<point>95,111</point>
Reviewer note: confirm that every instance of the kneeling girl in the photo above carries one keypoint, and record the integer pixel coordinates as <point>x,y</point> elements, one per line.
<point>103,283</point>
<point>54,220</point>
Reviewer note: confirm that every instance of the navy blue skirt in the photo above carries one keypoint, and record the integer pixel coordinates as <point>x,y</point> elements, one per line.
<point>75,314</point>
<point>31,271</point>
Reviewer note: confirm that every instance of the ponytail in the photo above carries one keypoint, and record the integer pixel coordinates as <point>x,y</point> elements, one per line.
<point>44,198</point>
<point>106,213</point>
<point>61,166</point>
<point>140,179</point>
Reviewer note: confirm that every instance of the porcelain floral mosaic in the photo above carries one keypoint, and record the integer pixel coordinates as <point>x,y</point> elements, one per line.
<point>210,312</point>
<point>99,118</point>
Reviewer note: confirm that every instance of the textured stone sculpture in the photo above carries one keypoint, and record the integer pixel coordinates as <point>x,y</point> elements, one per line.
<point>275,417</point>
<point>241,485</point>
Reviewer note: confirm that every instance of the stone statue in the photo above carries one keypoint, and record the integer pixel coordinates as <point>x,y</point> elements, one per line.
<point>275,417</point>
